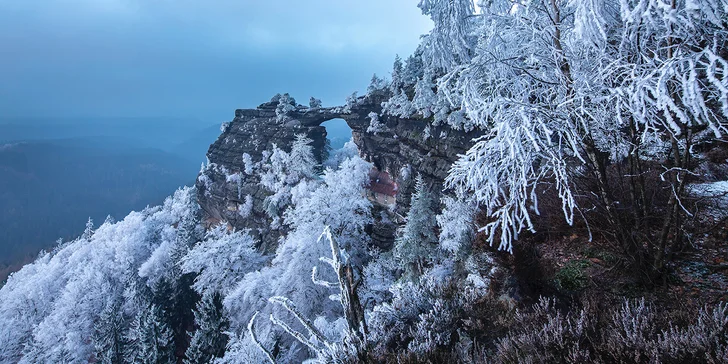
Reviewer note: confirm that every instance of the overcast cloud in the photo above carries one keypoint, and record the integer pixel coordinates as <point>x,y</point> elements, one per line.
<point>190,58</point>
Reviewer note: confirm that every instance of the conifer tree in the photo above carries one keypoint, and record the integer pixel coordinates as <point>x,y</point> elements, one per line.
<point>150,339</point>
<point>88,232</point>
<point>314,103</point>
<point>397,75</point>
<point>209,340</point>
<point>417,240</point>
<point>109,335</point>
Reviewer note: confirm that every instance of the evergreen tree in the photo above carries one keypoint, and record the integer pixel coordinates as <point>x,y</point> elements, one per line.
<point>209,340</point>
<point>397,75</point>
<point>109,334</point>
<point>302,160</point>
<point>176,298</point>
<point>417,240</point>
<point>150,339</point>
<point>377,84</point>
<point>286,104</point>
<point>413,69</point>
<point>109,220</point>
<point>314,103</point>
<point>88,232</point>
<point>175,302</point>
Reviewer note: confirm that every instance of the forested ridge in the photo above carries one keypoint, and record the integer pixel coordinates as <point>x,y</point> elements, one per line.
<point>586,222</point>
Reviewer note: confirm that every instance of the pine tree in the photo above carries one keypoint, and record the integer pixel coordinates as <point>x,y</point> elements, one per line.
<point>209,340</point>
<point>286,104</point>
<point>413,70</point>
<point>314,103</point>
<point>417,240</point>
<point>173,294</point>
<point>109,220</point>
<point>150,339</point>
<point>301,161</point>
<point>109,335</point>
<point>377,84</point>
<point>89,231</point>
<point>397,75</point>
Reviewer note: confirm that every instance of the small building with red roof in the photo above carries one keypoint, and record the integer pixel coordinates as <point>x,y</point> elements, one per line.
<point>382,188</point>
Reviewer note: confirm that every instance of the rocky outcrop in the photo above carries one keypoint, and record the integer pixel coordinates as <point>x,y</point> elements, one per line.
<point>407,147</point>
<point>403,148</point>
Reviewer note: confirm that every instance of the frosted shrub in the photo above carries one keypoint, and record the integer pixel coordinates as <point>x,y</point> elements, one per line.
<point>425,318</point>
<point>543,335</point>
<point>434,328</point>
<point>634,332</point>
<point>637,335</point>
<point>375,126</point>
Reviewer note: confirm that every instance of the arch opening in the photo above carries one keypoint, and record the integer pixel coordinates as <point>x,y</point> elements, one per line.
<point>338,133</point>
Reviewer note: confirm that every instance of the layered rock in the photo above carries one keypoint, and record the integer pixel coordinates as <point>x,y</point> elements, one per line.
<point>403,148</point>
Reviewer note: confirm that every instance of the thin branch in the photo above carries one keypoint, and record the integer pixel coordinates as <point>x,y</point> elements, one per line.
<point>254,337</point>
<point>288,305</point>
<point>299,336</point>
<point>321,282</point>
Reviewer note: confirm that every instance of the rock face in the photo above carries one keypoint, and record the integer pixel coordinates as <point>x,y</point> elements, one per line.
<point>403,149</point>
<point>407,147</point>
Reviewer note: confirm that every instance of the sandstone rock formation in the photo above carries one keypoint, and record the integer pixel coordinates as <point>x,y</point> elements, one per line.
<point>404,149</point>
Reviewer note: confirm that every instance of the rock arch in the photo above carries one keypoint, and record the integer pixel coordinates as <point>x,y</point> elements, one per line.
<point>408,147</point>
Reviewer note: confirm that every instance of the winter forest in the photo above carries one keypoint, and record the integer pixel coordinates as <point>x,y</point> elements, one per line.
<point>585,222</point>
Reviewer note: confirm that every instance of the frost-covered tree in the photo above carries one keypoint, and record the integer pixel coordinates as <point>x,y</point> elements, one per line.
<point>349,344</point>
<point>398,80</point>
<point>425,99</point>
<point>351,101</point>
<point>314,103</point>
<point>413,69</point>
<point>162,265</point>
<point>248,165</point>
<point>301,161</point>
<point>457,224</point>
<point>337,201</point>
<point>399,105</point>
<point>416,241</point>
<point>210,338</point>
<point>377,84</point>
<point>286,104</point>
<point>108,338</point>
<point>447,46</point>
<point>246,208</point>
<point>402,87</point>
<point>150,341</point>
<point>88,232</point>
<point>281,171</point>
<point>221,260</point>
<point>375,126</point>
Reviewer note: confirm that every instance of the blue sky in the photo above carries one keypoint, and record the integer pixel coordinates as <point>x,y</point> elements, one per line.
<point>199,59</point>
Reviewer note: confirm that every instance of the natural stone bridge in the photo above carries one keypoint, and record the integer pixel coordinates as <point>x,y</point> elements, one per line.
<point>304,116</point>
<point>403,150</point>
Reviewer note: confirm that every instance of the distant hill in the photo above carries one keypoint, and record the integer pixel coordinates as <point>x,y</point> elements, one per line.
<point>158,133</point>
<point>49,188</point>
<point>195,147</point>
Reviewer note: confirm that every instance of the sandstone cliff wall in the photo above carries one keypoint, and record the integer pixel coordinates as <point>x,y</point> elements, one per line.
<point>404,149</point>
